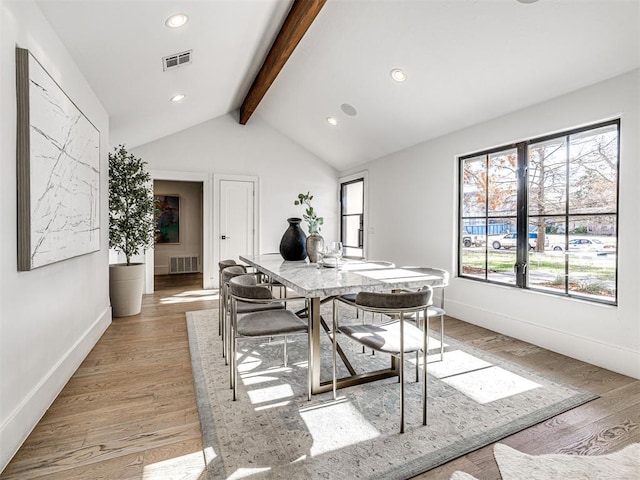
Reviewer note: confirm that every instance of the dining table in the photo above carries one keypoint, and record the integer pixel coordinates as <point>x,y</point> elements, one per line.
<point>321,283</point>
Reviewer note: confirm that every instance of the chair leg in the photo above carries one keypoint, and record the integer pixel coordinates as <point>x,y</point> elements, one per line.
<point>226,334</point>
<point>234,368</point>
<point>223,319</point>
<point>402,389</point>
<point>441,338</point>
<point>418,353</point>
<point>425,349</point>
<point>219,305</point>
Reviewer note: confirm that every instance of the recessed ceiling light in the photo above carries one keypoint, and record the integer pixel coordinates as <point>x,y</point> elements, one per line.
<point>398,75</point>
<point>176,20</point>
<point>527,1</point>
<point>332,121</point>
<point>177,98</point>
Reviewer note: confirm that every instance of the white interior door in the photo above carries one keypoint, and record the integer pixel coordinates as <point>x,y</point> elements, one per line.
<point>237,219</point>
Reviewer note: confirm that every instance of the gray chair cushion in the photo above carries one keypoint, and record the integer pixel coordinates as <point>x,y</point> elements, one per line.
<point>273,322</point>
<point>246,307</point>
<point>395,300</point>
<point>222,264</point>
<point>349,297</point>
<point>232,271</point>
<point>251,291</point>
<point>248,279</point>
<point>385,337</point>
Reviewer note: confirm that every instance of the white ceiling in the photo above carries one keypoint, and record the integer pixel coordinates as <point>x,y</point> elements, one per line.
<point>467,61</point>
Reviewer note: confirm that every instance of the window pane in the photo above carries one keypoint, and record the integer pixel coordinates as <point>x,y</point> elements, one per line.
<point>353,252</point>
<point>593,171</point>
<point>503,183</point>
<point>501,254</point>
<point>474,185</point>
<point>352,233</point>
<point>501,264</point>
<point>592,255</point>
<point>353,198</point>
<point>472,262</point>
<point>547,265</point>
<point>547,176</point>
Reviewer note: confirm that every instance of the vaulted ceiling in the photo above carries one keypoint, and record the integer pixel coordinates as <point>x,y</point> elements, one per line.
<point>466,61</point>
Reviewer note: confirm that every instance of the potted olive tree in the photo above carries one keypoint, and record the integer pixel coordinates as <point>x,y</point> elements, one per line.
<point>131,227</point>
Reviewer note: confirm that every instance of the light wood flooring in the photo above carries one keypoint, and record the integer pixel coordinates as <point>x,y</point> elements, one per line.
<point>129,411</point>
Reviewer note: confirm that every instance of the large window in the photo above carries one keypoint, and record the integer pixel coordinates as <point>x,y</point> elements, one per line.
<point>352,217</point>
<point>543,214</point>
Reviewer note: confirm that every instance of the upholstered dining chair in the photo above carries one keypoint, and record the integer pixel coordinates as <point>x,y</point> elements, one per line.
<point>350,298</point>
<point>227,274</point>
<point>222,264</point>
<point>396,336</point>
<point>268,319</point>
<point>434,311</point>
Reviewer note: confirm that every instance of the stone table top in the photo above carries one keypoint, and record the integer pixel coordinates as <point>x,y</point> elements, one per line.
<point>352,276</point>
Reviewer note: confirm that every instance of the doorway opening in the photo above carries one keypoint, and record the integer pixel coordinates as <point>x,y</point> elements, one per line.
<point>178,244</point>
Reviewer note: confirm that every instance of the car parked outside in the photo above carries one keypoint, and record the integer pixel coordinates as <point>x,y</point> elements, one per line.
<point>472,240</point>
<point>588,245</point>
<point>510,240</point>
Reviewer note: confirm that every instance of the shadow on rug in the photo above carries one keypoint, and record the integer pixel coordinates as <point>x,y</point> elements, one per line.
<point>272,431</point>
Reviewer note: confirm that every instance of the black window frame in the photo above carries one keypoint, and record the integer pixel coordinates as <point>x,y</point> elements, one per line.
<point>523,218</point>
<point>344,215</point>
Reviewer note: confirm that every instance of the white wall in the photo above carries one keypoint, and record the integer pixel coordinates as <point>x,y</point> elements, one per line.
<point>50,317</point>
<point>284,169</point>
<point>190,194</point>
<point>413,213</point>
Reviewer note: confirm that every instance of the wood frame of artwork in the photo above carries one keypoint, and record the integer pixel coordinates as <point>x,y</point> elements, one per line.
<point>167,219</point>
<point>58,171</point>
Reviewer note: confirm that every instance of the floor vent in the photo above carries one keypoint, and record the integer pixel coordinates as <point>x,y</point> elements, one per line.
<point>185,264</point>
<point>176,60</point>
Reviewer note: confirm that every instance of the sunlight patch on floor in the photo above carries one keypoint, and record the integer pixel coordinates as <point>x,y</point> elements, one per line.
<point>246,472</point>
<point>455,363</point>
<point>247,362</point>
<point>477,379</point>
<point>186,467</point>
<point>347,426</point>
<point>490,384</point>
<point>263,376</point>
<point>270,394</point>
<point>190,296</point>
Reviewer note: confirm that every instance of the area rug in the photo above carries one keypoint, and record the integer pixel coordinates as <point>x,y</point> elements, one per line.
<point>514,465</point>
<point>273,432</point>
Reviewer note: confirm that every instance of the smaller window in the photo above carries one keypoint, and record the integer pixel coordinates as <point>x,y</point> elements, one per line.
<point>352,217</point>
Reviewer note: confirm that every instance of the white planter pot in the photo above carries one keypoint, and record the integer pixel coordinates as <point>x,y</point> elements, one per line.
<point>126,284</point>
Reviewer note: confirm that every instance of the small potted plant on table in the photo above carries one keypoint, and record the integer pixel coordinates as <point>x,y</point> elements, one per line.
<point>315,242</point>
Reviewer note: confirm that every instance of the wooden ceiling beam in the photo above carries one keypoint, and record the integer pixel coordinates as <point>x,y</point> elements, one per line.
<point>298,21</point>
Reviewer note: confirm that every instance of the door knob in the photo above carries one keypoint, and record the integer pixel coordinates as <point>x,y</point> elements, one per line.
<point>224,237</point>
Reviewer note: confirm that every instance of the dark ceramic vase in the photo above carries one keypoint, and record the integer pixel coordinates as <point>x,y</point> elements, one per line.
<point>293,245</point>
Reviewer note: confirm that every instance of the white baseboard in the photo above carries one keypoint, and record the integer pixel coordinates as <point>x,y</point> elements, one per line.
<point>161,270</point>
<point>17,427</point>
<point>612,357</point>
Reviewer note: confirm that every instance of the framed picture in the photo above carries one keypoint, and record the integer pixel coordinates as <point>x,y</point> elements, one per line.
<point>167,215</point>
<point>58,171</point>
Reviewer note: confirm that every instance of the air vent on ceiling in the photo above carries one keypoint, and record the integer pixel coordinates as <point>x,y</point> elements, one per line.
<point>176,60</point>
